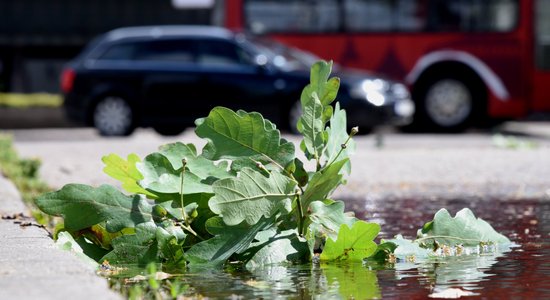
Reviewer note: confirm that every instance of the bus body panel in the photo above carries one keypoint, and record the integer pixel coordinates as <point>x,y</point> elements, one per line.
<point>539,19</point>
<point>541,91</point>
<point>396,56</point>
<point>510,56</point>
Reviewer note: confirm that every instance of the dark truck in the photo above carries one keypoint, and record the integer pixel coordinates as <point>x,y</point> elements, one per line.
<point>38,37</point>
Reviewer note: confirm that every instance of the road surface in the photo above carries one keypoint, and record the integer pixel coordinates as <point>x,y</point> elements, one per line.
<point>396,166</point>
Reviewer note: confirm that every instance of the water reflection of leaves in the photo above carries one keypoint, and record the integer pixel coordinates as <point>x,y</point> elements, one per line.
<point>460,271</point>
<point>352,280</point>
<point>331,281</point>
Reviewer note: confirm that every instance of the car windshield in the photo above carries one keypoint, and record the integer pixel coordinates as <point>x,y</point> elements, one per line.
<point>281,56</point>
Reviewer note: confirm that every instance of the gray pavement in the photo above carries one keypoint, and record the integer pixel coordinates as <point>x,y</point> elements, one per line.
<point>32,267</point>
<point>430,166</point>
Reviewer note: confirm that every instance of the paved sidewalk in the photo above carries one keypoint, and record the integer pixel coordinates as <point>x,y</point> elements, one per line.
<point>32,267</point>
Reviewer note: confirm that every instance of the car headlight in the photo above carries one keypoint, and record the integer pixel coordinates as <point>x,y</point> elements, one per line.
<point>400,91</point>
<point>372,90</point>
<point>404,108</point>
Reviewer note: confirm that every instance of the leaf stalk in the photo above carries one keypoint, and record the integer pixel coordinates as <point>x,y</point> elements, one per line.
<point>353,132</point>
<point>186,226</point>
<point>183,213</point>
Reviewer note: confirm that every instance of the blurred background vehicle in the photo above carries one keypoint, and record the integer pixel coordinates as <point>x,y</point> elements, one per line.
<point>165,77</point>
<point>466,62</point>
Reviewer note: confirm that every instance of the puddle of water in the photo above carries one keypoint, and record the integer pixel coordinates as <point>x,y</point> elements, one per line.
<point>522,273</point>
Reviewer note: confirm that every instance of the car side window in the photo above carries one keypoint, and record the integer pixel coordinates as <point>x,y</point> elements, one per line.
<point>159,50</point>
<point>220,53</point>
<point>166,50</point>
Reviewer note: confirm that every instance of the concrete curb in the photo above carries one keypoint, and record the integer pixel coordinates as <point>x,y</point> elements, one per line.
<point>32,267</point>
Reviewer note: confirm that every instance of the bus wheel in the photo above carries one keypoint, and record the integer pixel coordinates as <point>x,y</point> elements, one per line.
<point>447,104</point>
<point>113,116</point>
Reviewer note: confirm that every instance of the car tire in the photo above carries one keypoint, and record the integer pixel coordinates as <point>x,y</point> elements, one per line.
<point>169,130</point>
<point>114,116</point>
<point>448,104</point>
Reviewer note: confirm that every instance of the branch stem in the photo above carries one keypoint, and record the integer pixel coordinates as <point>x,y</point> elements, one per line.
<point>300,215</point>
<point>353,132</point>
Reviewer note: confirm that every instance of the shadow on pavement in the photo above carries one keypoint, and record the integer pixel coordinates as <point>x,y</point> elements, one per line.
<point>35,117</point>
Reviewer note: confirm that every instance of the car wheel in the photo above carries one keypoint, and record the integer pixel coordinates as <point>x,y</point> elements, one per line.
<point>113,116</point>
<point>447,105</point>
<point>294,114</point>
<point>169,130</point>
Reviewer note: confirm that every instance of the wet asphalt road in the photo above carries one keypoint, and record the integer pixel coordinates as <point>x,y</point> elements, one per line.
<point>390,166</point>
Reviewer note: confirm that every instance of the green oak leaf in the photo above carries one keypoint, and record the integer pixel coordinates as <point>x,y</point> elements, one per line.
<point>170,241</point>
<point>408,250</point>
<point>140,248</point>
<point>83,206</point>
<point>323,183</point>
<point>203,211</point>
<point>160,176</point>
<point>196,208</point>
<point>99,235</point>
<point>241,135</point>
<point>227,241</point>
<point>353,244</point>
<point>383,251</point>
<point>464,229</point>
<point>150,243</point>
<point>91,249</point>
<point>197,164</point>
<point>65,241</point>
<point>273,247</point>
<point>337,136</point>
<point>126,172</point>
<point>311,125</point>
<point>296,168</point>
<point>319,82</point>
<point>327,219</point>
<point>315,99</point>
<point>252,195</point>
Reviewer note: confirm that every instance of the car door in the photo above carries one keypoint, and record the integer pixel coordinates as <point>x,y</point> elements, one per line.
<point>172,83</point>
<point>234,81</point>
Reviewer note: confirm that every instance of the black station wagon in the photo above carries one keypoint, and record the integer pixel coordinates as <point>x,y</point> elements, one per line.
<point>167,76</point>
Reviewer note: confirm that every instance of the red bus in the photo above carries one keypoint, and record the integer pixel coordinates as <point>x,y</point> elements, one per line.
<point>464,60</point>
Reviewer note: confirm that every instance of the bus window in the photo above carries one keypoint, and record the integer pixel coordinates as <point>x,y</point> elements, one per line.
<point>292,15</point>
<point>319,16</point>
<point>542,39</point>
<point>472,15</point>
<point>368,15</point>
<point>383,15</point>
